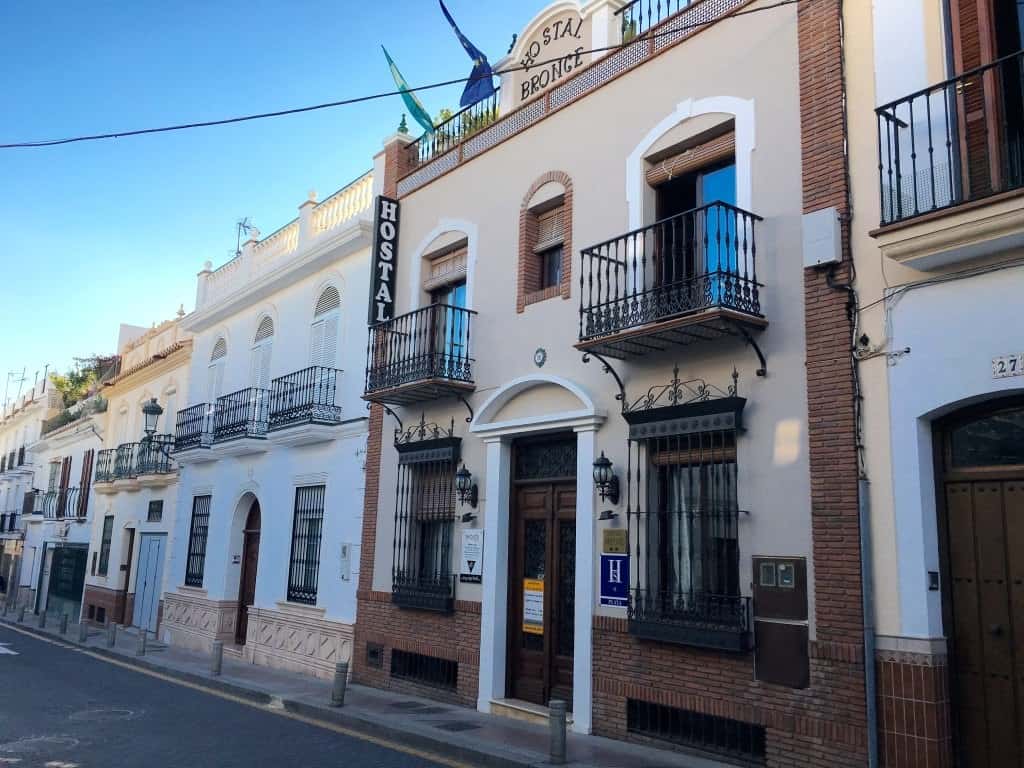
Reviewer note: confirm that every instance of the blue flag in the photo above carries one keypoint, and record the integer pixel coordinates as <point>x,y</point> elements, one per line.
<point>414,105</point>
<point>481,84</point>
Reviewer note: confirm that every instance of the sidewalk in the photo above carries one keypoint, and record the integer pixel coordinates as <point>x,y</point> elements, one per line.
<point>455,732</point>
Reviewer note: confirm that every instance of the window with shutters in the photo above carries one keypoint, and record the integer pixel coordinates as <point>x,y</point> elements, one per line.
<point>55,466</point>
<point>323,344</point>
<point>307,530</point>
<point>263,343</point>
<point>215,371</point>
<point>85,483</point>
<point>108,531</point>
<point>545,241</point>
<point>195,562</point>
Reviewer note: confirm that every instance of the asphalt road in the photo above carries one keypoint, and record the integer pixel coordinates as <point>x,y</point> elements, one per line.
<point>60,708</point>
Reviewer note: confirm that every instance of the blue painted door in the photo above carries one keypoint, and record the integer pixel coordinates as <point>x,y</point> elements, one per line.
<point>148,579</point>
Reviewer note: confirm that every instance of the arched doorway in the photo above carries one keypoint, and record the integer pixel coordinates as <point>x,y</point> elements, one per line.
<point>980,494</point>
<point>247,580</point>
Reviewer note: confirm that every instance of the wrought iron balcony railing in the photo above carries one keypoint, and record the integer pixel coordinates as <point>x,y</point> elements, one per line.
<point>455,130</point>
<point>126,461</point>
<point>9,521</point>
<point>435,593</point>
<point>153,458</point>
<point>423,354</point>
<point>21,456</point>
<point>954,142</point>
<point>702,259</point>
<point>194,427</point>
<point>309,396</point>
<point>106,461</point>
<point>691,618</point>
<point>241,414</point>
<point>62,503</point>
<point>640,15</point>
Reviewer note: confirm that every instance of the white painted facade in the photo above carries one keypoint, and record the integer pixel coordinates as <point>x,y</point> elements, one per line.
<point>291,301</point>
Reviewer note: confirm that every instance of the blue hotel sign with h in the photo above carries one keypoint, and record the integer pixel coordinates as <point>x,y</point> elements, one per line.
<point>614,580</point>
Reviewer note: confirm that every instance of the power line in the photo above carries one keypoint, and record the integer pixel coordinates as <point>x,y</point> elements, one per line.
<point>375,96</point>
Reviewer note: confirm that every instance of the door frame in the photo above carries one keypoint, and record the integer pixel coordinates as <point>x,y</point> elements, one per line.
<point>941,429</point>
<point>497,437</point>
<point>247,532</point>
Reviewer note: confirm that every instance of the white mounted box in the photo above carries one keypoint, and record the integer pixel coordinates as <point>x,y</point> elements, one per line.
<point>822,238</point>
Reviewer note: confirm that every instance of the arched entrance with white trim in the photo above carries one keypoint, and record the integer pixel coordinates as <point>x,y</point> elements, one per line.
<point>523,411</point>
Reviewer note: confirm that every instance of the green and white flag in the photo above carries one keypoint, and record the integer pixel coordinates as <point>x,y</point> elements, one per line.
<point>411,102</point>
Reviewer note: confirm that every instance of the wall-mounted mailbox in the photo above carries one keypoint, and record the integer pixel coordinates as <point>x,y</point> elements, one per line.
<point>781,631</point>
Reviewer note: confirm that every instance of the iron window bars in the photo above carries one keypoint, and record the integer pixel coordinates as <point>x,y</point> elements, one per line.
<point>197,534</point>
<point>682,516</point>
<point>194,428</point>
<point>309,396</point>
<point>934,154</point>
<point>307,531</point>
<point>428,343</point>
<point>428,670</point>
<point>714,733</point>
<point>105,462</point>
<point>697,260</point>
<point>421,571</point>
<point>108,531</point>
<point>241,414</point>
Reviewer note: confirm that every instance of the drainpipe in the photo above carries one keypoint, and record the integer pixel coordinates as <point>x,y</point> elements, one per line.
<point>868,597</point>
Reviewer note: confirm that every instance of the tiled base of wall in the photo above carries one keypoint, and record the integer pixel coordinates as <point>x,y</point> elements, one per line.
<point>297,639</point>
<point>454,637</point>
<point>821,726</point>
<point>913,710</point>
<point>106,603</point>
<point>191,620</point>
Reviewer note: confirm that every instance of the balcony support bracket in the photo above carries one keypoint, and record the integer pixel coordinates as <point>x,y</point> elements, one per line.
<point>621,397</point>
<point>752,343</point>
<point>465,402</point>
<point>401,427</point>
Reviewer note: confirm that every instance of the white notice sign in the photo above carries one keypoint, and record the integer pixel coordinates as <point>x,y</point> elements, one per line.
<point>472,556</point>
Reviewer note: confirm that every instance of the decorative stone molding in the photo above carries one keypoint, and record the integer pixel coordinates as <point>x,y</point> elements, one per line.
<point>297,638</point>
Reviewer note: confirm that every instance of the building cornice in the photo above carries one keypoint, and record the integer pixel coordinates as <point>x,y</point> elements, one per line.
<point>174,356</point>
<point>348,240</point>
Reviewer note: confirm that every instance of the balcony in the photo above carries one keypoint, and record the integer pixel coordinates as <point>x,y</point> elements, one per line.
<point>422,355</point>
<point>951,168</point>
<point>304,406</point>
<point>9,523</point>
<point>154,467</point>
<point>63,504</point>
<point>721,622</point>
<point>105,462</point>
<point>193,434</point>
<point>131,466</point>
<point>240,422</point>
<point>685,279</point>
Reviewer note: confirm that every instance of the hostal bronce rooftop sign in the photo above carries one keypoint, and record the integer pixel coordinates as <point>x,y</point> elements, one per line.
<point>550,50</point>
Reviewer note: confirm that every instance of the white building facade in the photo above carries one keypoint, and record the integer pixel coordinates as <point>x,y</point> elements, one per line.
<point>271,444</point>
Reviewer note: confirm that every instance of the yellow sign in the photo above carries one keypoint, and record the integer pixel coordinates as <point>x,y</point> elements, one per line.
<point>533,606</point>
<point>613,541</point>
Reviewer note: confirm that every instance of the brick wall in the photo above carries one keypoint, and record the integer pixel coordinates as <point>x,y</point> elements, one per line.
<point>529,268</point>
<point>111,600</point>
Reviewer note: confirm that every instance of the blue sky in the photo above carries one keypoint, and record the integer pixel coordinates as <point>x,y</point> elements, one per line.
<point>95,234</point>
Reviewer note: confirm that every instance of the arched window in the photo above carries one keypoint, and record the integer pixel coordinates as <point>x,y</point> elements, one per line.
<point>215,371</point>
<point>259,370</point>
<point>323,344</point>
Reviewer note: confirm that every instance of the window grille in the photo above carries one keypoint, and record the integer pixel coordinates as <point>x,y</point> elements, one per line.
<point>155,512</point>
<point>307,531</point>
<point>428,670</point>
<point>108,531</point>
<point>196,559</point>
<point>720,735</point>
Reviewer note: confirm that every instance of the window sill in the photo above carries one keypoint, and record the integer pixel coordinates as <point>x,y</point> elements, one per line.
<point>543,294</point>
<point>301,609</point>
<point>422,599</point>
<point>696,634</point>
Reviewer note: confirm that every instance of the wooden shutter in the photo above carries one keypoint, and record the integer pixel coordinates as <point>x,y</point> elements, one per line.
<point>85,483</point>
<point>550,228</point>
<point>692,158</point>
<point>330,350</point>
<point>316,343</point>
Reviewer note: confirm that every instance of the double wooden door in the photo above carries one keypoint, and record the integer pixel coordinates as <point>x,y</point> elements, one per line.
<point>542,585</point>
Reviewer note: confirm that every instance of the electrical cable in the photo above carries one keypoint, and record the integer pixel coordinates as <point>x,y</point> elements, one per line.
<point>376,96</point>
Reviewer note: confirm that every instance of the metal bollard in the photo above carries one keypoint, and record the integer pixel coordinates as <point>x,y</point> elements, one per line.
<point>83,631</point>
<point>21,615</point>
<point>217,658</point>
<point>140,649</point>
<point>63,623</point>
<point>42,619</point>
<point>340,684</point>
<point>111,635</point>
<point>556,719</point>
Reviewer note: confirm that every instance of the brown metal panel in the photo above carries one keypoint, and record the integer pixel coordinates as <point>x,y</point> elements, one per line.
<point>780,654</point>
<point>777,601</point>
<point>968,659</point>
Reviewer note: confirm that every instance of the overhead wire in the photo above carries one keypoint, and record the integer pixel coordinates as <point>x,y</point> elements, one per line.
<point>675,30</point>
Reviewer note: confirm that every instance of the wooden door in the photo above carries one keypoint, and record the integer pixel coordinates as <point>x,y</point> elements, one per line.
<point>542,587</point>
<point>247,581</point>
<point>122,618</point>
<point>986,578</point>
<point>148,580</point>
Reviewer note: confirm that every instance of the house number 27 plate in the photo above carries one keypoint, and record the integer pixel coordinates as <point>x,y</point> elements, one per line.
<point>1007,365</point>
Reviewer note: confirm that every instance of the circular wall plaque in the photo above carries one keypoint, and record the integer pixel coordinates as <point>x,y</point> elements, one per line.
<point>540,356</point>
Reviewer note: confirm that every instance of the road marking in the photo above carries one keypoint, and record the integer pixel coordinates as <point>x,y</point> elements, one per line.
<point>340,729</point>
<point>4,651</point>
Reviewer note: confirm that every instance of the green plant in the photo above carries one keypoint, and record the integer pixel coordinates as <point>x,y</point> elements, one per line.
<point>82,380</point>
<point>628,30</point>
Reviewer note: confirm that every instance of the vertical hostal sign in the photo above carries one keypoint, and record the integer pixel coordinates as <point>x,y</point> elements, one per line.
<point>385,259</point>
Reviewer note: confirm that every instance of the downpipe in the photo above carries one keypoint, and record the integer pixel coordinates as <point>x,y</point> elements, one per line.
<point>868,598</point>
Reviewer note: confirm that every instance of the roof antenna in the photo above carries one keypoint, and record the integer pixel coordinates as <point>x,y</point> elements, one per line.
<point>243,225</point>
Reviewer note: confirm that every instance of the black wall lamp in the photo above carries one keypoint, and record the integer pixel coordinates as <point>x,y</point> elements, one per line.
<point>466,488</point>
<point>151,413</point>
<point>605,479</point>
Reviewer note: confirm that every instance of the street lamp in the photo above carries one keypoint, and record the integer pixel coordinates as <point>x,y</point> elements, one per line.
<point>151,413</point>
<point>465,487</point>
<point>605,479</point>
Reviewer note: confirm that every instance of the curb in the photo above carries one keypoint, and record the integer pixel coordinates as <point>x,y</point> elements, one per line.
<point>322,714</point>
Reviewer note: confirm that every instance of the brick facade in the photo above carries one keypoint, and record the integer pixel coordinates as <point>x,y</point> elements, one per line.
<point>111,600</point>
<point>529,268</point>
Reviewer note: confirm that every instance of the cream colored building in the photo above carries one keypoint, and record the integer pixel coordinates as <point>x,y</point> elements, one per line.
<point>612,264</point>
<point>936,137</point>
<point>136,480</point>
